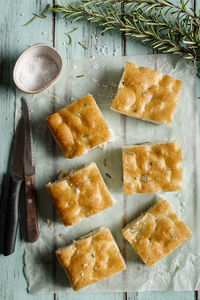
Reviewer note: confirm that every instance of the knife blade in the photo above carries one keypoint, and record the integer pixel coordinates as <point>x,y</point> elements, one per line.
<point>29,172</point>
<point>16,178</point>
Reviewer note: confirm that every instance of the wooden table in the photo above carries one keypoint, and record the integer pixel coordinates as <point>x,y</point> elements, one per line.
<point>14,39</point>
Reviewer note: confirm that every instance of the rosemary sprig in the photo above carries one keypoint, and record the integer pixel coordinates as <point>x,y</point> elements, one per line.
<point>161,24</point>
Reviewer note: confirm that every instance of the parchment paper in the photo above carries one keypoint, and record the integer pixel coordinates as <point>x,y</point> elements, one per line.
<point>181,269</point>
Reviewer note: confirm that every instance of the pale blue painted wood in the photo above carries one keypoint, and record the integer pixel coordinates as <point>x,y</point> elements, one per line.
<point>13,14</point>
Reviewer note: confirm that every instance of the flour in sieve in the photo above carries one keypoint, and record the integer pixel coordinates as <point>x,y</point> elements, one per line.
<point>38,72</point>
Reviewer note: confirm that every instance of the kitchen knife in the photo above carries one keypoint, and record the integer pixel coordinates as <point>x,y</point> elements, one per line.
<point>16,178</point>
<point>29,171</point>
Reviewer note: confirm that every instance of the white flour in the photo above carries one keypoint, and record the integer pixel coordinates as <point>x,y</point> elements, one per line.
<point>38,72</point>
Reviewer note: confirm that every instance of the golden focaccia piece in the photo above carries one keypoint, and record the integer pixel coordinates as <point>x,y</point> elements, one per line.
<point>80,194</point>
<point>151,168</point>
<point>147,94</point>
<point>156,233</point>
<point>92,258</point>
<point>79,127</point>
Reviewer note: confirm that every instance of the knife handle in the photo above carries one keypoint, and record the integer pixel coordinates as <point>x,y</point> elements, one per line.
<point>12,215</point>
<point>31,209</point>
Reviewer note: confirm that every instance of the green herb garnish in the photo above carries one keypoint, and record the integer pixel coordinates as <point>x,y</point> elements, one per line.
<point>172,235</point>
<point>72,30</point>
<point>85,105</point>
<point>69,37</point>
<point>135,110</point>
<point>134,230</point>
<point>144,179</point>
<point>125,151</point>
<point>151,87</point>
<point>82,45</point>
<point>42,15</point>
<point>79,76</point>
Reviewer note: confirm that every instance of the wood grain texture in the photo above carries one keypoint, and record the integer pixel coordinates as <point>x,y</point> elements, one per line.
<point>15,38</point>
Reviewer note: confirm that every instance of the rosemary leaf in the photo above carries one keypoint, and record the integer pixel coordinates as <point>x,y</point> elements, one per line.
<point>30,21</point>
<point>82,45</point>
<point>128,152</point>
<point>72,30</point>
<point>69,37</point>
<point>144,179</point>
<point>79,76</point>
<point>45,9</point>
<point>40,16</point>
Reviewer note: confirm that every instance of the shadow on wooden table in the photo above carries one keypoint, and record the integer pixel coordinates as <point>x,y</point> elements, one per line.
<point>6,73</point>
<point>4,195</point>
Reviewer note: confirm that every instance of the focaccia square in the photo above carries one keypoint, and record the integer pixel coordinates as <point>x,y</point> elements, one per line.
<point>80,194</point>
<point>147,94</point>
<point>151,168</point>
<point>156,233</point>
<point>79,127</point>
<point>92,258</point>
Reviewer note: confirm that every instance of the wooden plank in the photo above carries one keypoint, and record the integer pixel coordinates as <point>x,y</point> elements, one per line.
<point>164,295</point>
<point>90,296</point>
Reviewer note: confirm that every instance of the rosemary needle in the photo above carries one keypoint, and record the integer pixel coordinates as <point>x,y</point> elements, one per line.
<point>69,37</point>
<point>78,76</point>
<point>42,15</point>
<point>82,45</point>
<point>74,29</point>
<point>30,21</point>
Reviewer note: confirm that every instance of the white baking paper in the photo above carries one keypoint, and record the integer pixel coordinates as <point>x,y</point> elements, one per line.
<point>181,269</point>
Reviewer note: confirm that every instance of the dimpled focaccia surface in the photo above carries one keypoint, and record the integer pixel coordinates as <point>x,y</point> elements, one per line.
<point>147,94</point>
<point>80,195</point>
<point>79,127</point>
<point>92,258</point>
<point>153,167</point>
<point>156,233</point>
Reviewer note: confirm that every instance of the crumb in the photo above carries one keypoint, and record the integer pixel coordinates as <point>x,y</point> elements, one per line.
<point>51,224</point>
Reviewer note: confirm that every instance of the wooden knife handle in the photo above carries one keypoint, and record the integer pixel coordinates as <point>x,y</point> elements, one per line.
<point>31,209</point>
<point>12,215</point>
